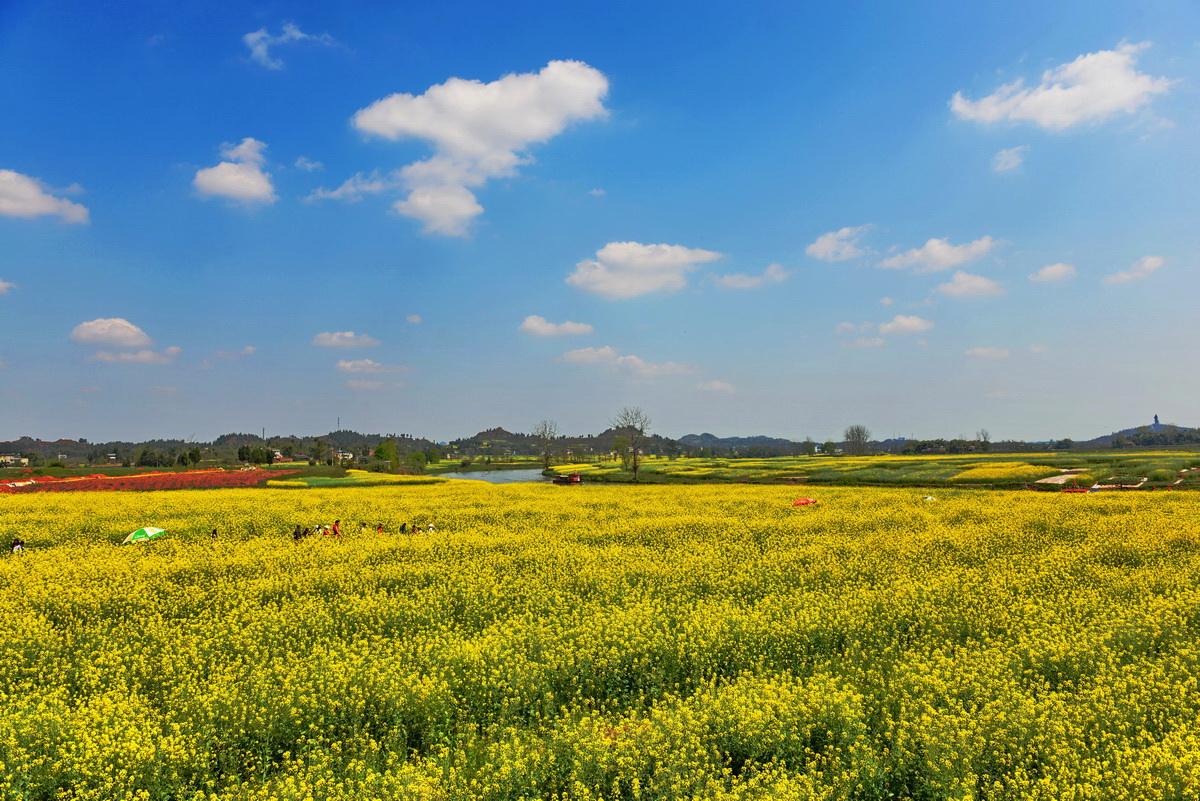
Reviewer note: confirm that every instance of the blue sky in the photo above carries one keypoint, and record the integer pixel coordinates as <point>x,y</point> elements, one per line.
<point>773,220</point>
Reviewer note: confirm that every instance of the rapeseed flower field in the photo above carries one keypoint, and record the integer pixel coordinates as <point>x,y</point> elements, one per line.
<point>602,642</point>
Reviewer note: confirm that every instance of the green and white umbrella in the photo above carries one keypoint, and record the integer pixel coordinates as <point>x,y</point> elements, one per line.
<point>143,535</point>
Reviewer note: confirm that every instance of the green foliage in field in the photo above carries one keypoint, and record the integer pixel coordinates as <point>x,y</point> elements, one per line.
<point>995,470</point>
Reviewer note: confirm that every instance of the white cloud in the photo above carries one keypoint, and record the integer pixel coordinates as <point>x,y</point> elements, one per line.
<point>597,192</point>
<point>1038,348</point>
<point>367,366</point>
<point>357,186</point>
<point>1052,273</point>
<point>1009,158</point>
<point>1092,88</point>
<point>541,327</point>
<point>886,301</point>
<point>308,165</point>
<point>717,387</point>
<point>773,274</point>
<point>260,42</point>
<point>1142,268</point>
<point>839,245</point>
<point>114,331</point>
<point>143,356</point>
<point>479,131</point>
<point>26,197</point>
<point>414,319</point>
<point>987,354</point>
<point>628,269</point>
<point>939,254</point>
<point>905,324</point>
<point>866,342</point>
<point>967,285</point>
<point>344,339</point>
<point>240,177</point>
<point>607,356</point>
<point>5,286</point>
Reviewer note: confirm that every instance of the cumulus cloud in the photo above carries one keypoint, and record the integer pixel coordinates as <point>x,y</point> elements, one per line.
<point>143,356</point>
<point>840,245</point>
<point>344,339</point>
<point>1009,158</point>
<point>607,356</point>
<point>717,387</point>
<point>624,270</point>
<point>987,353</point>
<point>940,254</point>
<point>367,366</point>
<point>308,165</point>
<point>886,301</point>
<point>357,186</point>
<point>1053,273</point>
<point>967,285</point>
<point>113,331</point>
<point>1090,89</point>
<point>260,42</point>
<point>541,327</point>
<point>597,192</point>
<point>905,324</point>
<point>5,286</point>
<point>26,197</point>
<point>773,274</point>
<point>1142,268</point>
<point>479,131</point>
<point>240,177</point>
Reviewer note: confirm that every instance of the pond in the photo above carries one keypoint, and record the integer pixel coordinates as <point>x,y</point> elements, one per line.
<point>499,476</point>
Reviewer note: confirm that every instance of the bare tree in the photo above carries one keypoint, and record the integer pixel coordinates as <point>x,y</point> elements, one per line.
<point>633,423</point>
<point>546,432</point>
<point>985,439</point>
<point>857,437</point>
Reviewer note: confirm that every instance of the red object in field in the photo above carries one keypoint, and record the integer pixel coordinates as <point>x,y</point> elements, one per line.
<point>142,482</point>
<point>570,478</point>
<point>804,502</point>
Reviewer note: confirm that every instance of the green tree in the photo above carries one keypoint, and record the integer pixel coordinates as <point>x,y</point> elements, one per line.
<point>387,451</point>
<point>634,423</point>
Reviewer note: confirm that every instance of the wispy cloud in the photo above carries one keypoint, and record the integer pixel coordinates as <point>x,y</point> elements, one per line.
<point>1053,273</point>
<point>344,339</point>
<point>940,254</point>
<point>541,327</point>
<point>773,274</point>
<point>1009,158</point>
<point>905,324</point>
<point>968,285</point>
<point>840,245</point>
<point>1142,268</point>
<point>985,353</point>
<point>260,42</point>
<point>607,356</point>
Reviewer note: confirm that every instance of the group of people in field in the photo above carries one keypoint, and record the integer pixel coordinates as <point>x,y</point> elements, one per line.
<point>335,530</point>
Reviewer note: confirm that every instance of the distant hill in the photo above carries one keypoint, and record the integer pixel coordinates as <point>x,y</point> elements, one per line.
<point>760,445</point>
<point>1165,435</point>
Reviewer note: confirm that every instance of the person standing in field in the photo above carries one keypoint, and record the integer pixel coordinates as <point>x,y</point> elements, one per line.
<point>18,545</point>
<point>337,528</point>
